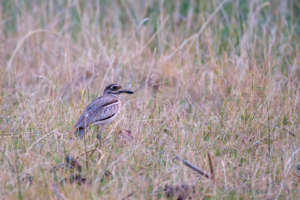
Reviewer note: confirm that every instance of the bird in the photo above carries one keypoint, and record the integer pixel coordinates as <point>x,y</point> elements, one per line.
<point>101,110</point>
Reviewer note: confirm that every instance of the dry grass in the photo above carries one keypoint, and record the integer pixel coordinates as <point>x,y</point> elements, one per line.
<point>214,78</point>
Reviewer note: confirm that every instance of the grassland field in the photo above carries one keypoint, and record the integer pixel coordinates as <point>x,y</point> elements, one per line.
<point>217,77</point>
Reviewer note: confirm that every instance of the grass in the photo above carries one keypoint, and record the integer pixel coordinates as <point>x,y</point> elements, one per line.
<point>208,78</point>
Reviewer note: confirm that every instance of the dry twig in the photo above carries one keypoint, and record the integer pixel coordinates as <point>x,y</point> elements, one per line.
<point>211,166</point>
<point>287,130</point>
<point>192,166</point>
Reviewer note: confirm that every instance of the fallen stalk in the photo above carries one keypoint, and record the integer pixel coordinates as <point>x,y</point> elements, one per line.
<point>192,167</point>
<point>287,130</point>
<point>211,166</point>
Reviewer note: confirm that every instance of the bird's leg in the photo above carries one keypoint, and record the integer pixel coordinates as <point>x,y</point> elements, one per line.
<point>99,135</point>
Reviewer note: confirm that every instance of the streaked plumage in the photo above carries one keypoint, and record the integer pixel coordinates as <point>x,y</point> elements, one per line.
<point>101,110</point>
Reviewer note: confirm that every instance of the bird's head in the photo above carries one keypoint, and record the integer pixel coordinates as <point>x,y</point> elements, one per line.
<point>115,89</point>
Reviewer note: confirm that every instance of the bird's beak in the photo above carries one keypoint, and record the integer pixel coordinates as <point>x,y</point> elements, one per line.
<point>126,91</point>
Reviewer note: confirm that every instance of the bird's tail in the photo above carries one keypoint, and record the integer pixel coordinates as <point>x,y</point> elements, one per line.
<point>79,132</point>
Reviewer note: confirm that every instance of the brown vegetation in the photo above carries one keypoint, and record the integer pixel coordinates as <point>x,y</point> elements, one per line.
<point>208,76</point>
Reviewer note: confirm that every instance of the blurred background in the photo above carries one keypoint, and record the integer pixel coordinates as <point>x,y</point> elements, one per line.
<point>183,43</point>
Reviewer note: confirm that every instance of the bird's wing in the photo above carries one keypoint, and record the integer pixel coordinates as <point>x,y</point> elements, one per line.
<point>104,113</point>
<point>101,108</point>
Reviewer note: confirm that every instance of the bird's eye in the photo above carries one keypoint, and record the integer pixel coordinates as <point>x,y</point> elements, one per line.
<point>115,87</point>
